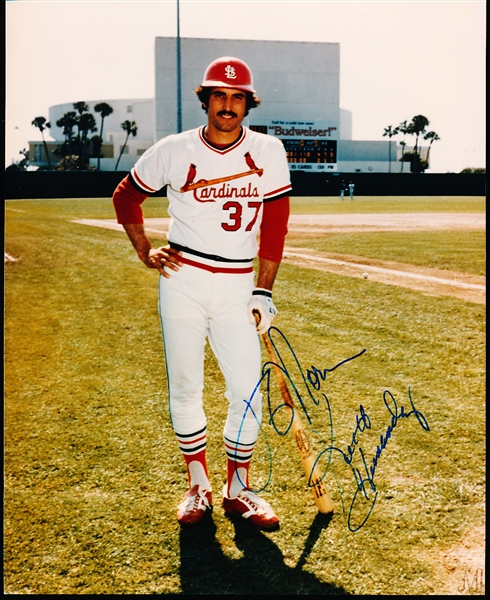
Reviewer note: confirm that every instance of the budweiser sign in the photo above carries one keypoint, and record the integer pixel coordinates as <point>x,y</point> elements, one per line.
<point>279,131</point>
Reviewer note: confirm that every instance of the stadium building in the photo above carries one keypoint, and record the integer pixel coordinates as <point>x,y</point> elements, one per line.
<point>299,87</point>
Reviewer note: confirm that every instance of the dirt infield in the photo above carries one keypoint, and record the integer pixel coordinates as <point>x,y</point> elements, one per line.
<point>471,288</point>
<point>386,222</point>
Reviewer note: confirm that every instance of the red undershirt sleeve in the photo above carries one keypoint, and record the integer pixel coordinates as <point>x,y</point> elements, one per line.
<point>127,202</point>
<point>273,229</point>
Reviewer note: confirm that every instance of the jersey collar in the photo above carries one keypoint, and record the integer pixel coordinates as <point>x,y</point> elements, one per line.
<point>235,144</point>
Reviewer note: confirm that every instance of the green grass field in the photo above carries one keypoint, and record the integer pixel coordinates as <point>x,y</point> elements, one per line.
<point>388,204</point>
<point>92,468</point>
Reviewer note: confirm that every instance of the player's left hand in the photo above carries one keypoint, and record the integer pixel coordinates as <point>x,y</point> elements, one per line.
<point>261,304</point>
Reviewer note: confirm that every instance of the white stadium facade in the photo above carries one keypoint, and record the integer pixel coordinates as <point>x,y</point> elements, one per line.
<point>298,84</point>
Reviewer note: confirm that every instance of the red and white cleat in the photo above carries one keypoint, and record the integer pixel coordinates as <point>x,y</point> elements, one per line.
<point>249,506</point>
<point>194,506</point>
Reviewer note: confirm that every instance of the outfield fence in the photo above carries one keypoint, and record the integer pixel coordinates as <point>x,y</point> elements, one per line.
<point>101,184</point>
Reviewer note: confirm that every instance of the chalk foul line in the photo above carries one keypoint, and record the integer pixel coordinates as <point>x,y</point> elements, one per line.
<point>367,268</point>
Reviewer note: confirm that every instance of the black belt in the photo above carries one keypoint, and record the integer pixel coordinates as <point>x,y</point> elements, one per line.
<point>208,256</point>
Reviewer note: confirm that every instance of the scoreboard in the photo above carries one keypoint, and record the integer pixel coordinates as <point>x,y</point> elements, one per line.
<point>310,146</point>
<point>314,152</point>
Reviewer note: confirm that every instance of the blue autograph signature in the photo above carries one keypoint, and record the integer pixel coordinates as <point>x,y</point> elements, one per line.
<point>365,491</point>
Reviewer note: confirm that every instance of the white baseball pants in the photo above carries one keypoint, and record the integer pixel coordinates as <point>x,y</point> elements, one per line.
<point>195,304</point>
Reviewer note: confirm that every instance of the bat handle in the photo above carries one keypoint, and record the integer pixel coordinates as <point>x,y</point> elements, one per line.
<point>256,314</point>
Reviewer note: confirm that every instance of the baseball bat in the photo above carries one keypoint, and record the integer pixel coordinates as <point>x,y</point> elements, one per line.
<point>308,457</point>
<point>205,182</point>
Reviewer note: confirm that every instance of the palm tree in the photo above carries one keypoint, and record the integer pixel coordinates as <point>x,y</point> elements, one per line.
<point>86,123</point>
<point>390,132</point>
<point>42,124</point>
<point>403,128</point>
<point>80,107</point>
<point>105,110</point>
<point>402,159</point>
<point>68,122</point>
<point>433,137</point>
<point>130,128</point>
<point>417,127</point>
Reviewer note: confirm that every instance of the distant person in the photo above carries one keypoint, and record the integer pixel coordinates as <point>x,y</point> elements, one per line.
<point>342,189</point>
<point>351,190</point>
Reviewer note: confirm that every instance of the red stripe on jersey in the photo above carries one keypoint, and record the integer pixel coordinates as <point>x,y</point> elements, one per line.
<point>141,183</point>
<point>212,269</point>
<point>278,192</point>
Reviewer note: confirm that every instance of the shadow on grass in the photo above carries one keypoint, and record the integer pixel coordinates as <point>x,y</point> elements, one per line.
<point>205,569</point>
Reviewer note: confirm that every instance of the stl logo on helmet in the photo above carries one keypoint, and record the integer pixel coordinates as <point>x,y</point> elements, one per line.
<point>230,72</point>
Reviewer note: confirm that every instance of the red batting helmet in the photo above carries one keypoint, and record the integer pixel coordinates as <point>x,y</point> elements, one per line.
<point>231,72</point>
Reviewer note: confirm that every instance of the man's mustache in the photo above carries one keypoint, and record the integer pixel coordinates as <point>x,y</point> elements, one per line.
<point>224,113</point>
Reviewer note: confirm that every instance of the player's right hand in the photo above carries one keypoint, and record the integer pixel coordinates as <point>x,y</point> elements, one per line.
<point>165,256</point>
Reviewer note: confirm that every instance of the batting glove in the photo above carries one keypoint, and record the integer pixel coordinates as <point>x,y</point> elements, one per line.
<point>261,303</point>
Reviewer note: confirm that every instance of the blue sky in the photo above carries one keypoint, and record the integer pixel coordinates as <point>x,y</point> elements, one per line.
<point>399,58</point>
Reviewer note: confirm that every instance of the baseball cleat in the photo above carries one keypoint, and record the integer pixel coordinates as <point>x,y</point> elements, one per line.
<point>194,506</point>
<point>249,506</point>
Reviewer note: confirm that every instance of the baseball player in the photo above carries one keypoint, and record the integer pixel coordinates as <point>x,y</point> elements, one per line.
<point>227,187</point>
<point>342,189</point>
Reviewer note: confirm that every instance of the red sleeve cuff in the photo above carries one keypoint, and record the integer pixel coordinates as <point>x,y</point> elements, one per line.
<point>127,202</point>
<point>274,228</point>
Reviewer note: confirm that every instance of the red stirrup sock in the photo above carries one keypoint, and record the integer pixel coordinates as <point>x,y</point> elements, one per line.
<point>239,456</point>
<point>193,447</point>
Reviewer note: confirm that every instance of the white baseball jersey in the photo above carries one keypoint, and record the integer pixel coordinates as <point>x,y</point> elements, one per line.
<point>215,195</point>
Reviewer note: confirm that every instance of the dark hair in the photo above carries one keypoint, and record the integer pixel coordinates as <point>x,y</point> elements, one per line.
<point>203,93</point>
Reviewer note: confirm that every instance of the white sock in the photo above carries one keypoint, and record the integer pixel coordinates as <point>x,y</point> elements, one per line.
<point>197,475</point>
<point>238,482</point>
